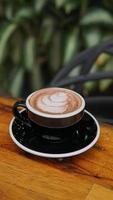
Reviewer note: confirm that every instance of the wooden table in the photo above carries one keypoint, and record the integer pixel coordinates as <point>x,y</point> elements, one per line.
<point>88,176</point>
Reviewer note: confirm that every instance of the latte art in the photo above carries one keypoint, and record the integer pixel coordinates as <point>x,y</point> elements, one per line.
<point>55,101</point>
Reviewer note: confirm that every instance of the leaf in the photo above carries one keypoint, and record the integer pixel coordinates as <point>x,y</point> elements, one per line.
<point>103,59</point>
<point>97,16</point>
<point>60,3</point>
<point>92,36</point>
<point>104,84</point>
<point>47,30</point>
<point>37,77</point>
<point>17,82</point>
<point>17,44</point>
<point>94,68</point>
<point>9,11</point>
<point>75,71</point>
<point>29,53</point>
<point>71,5</point>
<point>24,13</point>
<point>89,86</point>
<point>4,38</point>
<point>71,45</point>
<point>55,53</point>
<point>39,4</point>
<point>109,65</point>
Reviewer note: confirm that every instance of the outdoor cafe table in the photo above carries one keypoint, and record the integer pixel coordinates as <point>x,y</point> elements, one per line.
<point>88,176</point>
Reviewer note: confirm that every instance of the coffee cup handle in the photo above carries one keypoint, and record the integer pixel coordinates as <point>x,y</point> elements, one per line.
<point>18,114</point>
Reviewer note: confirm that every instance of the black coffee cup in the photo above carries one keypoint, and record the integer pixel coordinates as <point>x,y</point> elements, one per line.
<point>51,127</point>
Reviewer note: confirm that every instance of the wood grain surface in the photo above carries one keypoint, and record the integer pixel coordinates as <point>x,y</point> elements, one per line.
<point>88,176</point>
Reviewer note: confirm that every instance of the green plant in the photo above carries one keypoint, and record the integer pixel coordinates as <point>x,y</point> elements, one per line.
<point>38,36</point>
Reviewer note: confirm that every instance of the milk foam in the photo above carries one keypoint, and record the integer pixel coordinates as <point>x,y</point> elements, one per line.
<point>54,103</point>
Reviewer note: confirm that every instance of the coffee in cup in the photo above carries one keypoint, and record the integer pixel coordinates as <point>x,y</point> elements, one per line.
<point>55,101</point>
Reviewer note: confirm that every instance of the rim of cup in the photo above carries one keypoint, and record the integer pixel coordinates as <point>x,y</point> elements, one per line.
<point>36,112</point>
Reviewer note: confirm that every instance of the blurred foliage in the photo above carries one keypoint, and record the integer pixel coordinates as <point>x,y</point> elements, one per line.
<point>38,36</point>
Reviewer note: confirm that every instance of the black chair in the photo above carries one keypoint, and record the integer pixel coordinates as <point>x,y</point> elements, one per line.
<point>100,106</point>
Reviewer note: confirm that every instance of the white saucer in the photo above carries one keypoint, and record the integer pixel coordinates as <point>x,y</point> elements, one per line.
<point>42,153</point>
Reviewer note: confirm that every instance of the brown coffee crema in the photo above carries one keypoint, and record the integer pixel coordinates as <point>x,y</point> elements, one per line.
<point>55,101</point>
